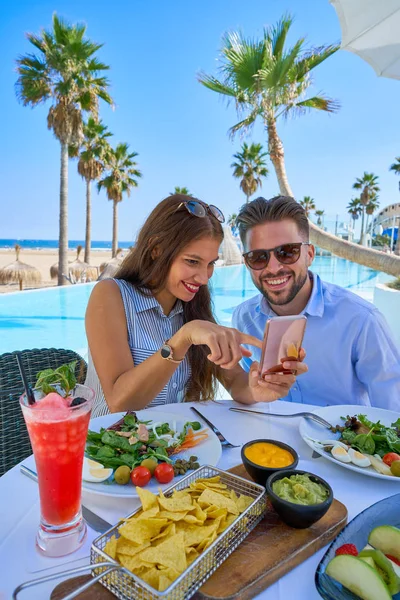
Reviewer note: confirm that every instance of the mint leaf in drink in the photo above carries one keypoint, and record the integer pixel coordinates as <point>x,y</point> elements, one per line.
<point>51,380</point>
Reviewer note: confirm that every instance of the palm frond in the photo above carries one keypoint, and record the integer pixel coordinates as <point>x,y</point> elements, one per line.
<point>277,35</point>
<point>317,103</point>
<point>314,58</point>
<point>246,124</point>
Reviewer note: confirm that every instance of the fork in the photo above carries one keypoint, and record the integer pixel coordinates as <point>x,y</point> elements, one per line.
<point>305,415</point>
<point>224,442</point>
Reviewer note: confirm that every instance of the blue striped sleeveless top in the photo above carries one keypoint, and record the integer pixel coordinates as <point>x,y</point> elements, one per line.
<point>148,328</point>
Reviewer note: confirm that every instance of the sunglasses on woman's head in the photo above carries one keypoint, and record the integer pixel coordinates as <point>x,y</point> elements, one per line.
<point>200,209</point>
<point>286,254</point>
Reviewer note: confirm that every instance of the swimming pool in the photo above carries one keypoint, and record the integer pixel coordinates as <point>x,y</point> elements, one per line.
<point>54,317</point>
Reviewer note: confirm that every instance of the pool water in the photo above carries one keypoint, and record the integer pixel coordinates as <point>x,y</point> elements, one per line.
<point>54,317</point>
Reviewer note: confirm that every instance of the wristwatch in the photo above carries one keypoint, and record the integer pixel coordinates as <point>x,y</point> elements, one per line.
<point>168,354</point>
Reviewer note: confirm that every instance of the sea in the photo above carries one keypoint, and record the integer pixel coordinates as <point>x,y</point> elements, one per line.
<point>53,244</point>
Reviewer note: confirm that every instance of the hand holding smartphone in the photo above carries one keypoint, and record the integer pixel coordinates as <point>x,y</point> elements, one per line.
<point>283,338</point>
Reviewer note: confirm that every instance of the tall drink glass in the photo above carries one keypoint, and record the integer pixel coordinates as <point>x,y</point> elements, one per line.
<point>58,434</point>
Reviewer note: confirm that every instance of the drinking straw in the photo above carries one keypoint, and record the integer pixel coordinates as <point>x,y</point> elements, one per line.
<point>28,389</point>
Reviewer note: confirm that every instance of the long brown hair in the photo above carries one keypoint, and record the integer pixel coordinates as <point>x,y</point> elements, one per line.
<point>165,233</point>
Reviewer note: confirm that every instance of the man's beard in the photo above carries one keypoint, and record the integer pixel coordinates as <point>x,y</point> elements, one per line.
<point>280,298</point>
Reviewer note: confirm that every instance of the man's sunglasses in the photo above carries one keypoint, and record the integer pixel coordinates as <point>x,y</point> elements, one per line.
<point>287,254</point>
<point>200,209</point>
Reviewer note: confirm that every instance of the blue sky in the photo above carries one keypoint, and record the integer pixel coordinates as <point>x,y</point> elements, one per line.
<point>155,48</point>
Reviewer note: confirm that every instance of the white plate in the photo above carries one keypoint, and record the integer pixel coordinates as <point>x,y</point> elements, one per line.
<point>333,415</point>
<point>208,452</point>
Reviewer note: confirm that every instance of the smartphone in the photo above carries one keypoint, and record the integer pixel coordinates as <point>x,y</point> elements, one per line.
<point>283,337</point>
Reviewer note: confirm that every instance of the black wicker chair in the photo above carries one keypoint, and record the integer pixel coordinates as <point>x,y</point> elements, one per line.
<point>14,439</point>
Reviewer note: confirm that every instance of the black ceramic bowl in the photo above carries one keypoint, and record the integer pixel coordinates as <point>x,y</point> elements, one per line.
<point>298,515</point>
<point>260,474</point>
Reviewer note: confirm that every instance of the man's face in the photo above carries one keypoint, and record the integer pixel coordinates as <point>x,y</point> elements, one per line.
<point>279,283</point>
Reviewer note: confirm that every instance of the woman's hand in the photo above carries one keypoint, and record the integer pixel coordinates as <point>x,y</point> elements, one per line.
<point>275,385</point>
<point>224,342</point>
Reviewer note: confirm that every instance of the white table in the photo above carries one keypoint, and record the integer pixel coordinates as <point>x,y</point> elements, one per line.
<point>19,503</point>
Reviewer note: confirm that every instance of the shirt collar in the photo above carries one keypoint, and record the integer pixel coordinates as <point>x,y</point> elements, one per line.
<point>144,300</point>
<point>315,304</point>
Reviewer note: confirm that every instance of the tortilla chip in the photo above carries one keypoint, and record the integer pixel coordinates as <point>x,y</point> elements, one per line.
<point>191,555</point>
<point>134,563</point>
<point>163,582</point>
<point>243,502</point>
<point>173,516</point>
<point>217,512</point>
<point>111,547</point>
<point>168,532</point>
<point>211,497</point>
<point>124,546</point>
<point>176,503</point>
<point>147,499</point>
<point>152,577</point>
<point>148,514</point>
<point>141,530</point>
<point>195,534</point>
<point>170,553</point>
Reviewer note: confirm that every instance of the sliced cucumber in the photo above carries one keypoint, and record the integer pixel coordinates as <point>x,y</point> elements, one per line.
<point>385,569</point>
<point>386,538</point>
<point>358,577</point>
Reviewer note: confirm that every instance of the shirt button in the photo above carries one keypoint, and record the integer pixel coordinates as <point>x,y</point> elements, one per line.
<point>174,385</point>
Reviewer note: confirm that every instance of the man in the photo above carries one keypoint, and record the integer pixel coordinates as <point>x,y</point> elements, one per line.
<point>351,356</point>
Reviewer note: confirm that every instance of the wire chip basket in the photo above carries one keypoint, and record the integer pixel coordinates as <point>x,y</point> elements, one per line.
<point>127,586</point>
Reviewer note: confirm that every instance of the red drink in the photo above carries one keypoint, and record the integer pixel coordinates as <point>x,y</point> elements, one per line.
<point>58,437</point>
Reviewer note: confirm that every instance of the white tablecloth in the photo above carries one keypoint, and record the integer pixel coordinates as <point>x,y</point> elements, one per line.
<point>19,503</point>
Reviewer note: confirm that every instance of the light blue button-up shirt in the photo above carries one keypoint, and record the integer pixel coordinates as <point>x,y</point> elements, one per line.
<point>351,355</point>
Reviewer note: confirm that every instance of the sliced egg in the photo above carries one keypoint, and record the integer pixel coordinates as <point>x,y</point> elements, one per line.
<point>340,454</point>
<point>94,472</point>
<point>360,460</point>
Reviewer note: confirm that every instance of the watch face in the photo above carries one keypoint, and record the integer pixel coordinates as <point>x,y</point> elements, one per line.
<point>165,351</point>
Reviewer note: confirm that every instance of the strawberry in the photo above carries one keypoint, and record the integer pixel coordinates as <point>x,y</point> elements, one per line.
<point>347,549</point>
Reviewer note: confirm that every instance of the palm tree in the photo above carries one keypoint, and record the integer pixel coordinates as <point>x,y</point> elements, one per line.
<point>266,80</point>
<point>308,204</point>
<point>249,167</point>
<point>354,209</point>
<point>181,190</point>
<point>92,156</point>
<point>320,215</point>
<point>65,71</point>
<point>395,167</point>
<point>121,176</point>
<point>368,183</point>
<point>371,207</point>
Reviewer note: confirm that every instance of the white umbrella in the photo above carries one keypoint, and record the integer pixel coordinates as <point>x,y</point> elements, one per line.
<point>229,249</point>
<point>370,28</point>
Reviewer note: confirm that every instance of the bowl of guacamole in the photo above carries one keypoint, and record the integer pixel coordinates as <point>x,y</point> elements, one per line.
<point>300,498</point>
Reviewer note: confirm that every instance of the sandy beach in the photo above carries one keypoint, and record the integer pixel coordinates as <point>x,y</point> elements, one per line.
<point>42,260</point>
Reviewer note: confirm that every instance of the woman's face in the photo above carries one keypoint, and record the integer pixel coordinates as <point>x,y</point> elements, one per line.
<point>192,268</point>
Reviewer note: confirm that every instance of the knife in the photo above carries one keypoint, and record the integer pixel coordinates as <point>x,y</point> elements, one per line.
<point>93,520</point>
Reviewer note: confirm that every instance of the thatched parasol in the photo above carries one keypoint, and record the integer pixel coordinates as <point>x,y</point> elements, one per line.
<point>77,270</point>
<point>113,262</point>
<point>19,272</point>
<point>229,249</point>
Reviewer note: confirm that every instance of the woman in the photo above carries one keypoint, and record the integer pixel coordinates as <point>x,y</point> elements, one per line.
<point>152,335</point>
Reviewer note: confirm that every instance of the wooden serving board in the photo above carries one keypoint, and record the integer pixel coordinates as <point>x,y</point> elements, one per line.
<point>268,552</point>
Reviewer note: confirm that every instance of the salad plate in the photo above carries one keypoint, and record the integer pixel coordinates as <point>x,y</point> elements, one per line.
<point>312,432</point>
<point>208,451</point>
<point>384,512</point>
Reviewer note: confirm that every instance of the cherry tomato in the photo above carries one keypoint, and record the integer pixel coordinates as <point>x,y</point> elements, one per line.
<point>140,476</point>
<point>164,473</point>
<point>390,457</point>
